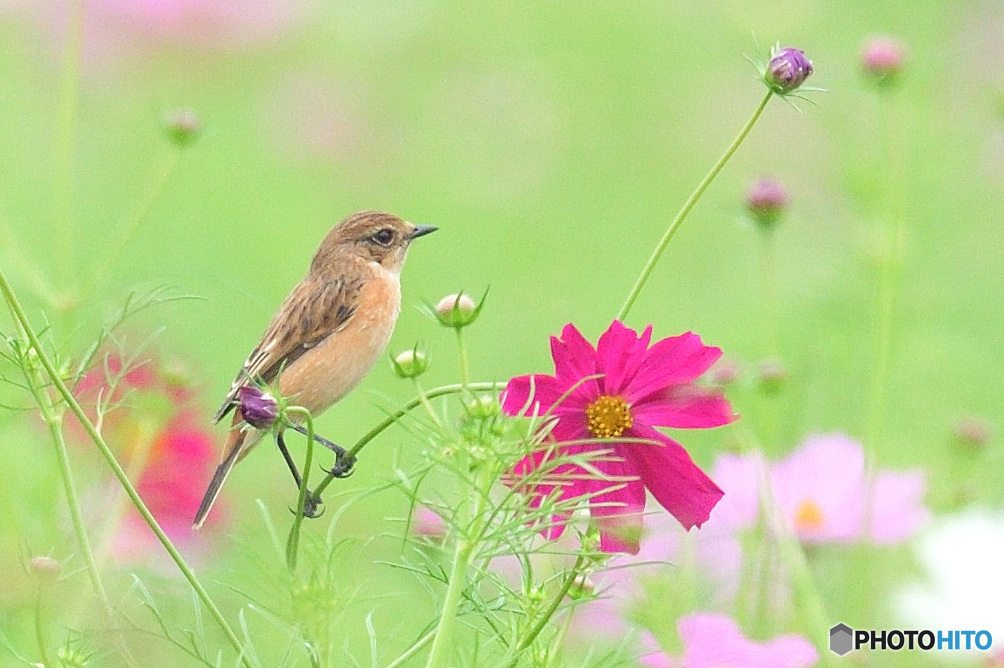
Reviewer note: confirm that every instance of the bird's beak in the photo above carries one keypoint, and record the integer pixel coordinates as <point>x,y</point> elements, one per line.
<point>422,230</point>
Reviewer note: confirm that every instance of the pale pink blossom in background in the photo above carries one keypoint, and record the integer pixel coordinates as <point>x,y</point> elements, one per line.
<point>715,641</point>
<point>115,29</point>
<point>821,490</point>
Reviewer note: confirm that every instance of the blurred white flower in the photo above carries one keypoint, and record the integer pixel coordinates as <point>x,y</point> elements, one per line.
<point>964,583</point>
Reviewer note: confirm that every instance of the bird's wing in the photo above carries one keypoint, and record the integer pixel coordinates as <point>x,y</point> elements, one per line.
<point>313,311</point>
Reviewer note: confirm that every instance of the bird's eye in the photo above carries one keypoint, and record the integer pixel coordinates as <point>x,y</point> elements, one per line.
<point>384,237</point>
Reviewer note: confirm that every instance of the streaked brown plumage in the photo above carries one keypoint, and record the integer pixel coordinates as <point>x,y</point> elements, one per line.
<point>329,331</point>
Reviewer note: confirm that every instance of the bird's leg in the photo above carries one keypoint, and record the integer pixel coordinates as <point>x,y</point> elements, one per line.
<point>312,501</point>
<point>343,466</point>
<point>289,460</point>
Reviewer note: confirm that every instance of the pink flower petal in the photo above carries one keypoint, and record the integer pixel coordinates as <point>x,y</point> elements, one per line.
<point>617,512</point>
<point>820,488</point>
<point>547,390</point>
<point>574,357</point>
<point>738,477</point>
<point>898,509</point>
<point>672,361</point>
<point>684,407</point>
<point>619,353</point>
<point>673,478</point>
<point>715,640</point>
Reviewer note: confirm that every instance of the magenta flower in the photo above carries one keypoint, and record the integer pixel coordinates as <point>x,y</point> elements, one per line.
<point>714,640</point>
<point>622,390</point>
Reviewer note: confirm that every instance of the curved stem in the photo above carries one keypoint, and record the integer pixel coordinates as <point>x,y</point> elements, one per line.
<point>293,543</point>
<point>400,413</point>
<point>687,206</point>
<point>116,467</point>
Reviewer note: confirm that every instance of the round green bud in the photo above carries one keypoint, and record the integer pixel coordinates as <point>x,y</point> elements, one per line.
<point>410,363</point>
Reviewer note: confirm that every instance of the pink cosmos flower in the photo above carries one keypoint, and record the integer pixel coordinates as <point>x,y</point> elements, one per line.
<point>622,389</point>
<point>715,640</point>
<point>171,485</point>
<point>822,491</point>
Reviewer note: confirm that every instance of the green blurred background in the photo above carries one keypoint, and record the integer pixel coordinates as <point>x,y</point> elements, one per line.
<point>551,143</point>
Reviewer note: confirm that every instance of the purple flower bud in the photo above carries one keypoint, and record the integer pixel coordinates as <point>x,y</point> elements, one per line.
<point>182,126</point>
<point>259,409</point>
<point>882,59</point>
<point>787,69</point>
<point>766,199</point>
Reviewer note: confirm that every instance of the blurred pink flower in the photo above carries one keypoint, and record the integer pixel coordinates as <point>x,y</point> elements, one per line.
<point>715,640</point>
<point>637,389</point>
<point>822,491</point>
<point>172,483</point>
<point>426,523</point>
<point>116,27</point>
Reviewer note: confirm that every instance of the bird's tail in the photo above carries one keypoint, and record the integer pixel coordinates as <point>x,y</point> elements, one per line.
<point>234,449</point>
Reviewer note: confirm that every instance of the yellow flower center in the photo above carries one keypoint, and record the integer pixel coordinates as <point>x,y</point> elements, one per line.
<point>609,417</point>
<point>809,516</point>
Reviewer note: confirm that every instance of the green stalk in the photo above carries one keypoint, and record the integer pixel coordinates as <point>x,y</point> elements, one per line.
<point>122,239</point>
<point>293,543</point>
<point>462,557</point>
<point>413,650</point>
<point>464,364</point>
<point>687,206</point>
<point>400,413</point>
<point>552,607</point>
<point>120,474</point>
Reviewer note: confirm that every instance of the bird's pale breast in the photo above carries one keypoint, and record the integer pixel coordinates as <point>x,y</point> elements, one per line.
<point>330,370</point>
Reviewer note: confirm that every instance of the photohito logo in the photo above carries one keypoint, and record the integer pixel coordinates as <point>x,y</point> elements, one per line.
<point>843,639</point>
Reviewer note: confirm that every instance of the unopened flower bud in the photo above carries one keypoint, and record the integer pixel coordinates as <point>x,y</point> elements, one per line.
<point>772,376</point>
<point>787,69</point>
<point>410,364</point>
<point>582,588</point>
<point>882,59</point>
<point>973,431</point>
<point>725,372</point>
<point>44,567</point>
<point>72,657</point>
<point>457,310</point>
<point>427,524</point>
<point>182,126</point>
<point>260,409</point>
<point>484,406</point>
<point>766,200</point>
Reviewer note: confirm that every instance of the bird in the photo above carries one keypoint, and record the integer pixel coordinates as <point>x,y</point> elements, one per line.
<point>329,331</point>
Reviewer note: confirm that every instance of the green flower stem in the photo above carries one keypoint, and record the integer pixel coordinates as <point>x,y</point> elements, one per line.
<point>54,422</point>
<point>425,402</point>
<point>464,364</point>
<point>293,544</point>
<point>552,607</point>
<point>894,241</point>
<point>43,649</point>
<point>68,94</point>
<point>807,598</point>
<point>687,206</point>
<point>122,239</point>
<point>400,413</point>
<point>467,544</point>
<point>99,441</point>
<point>413,650</point>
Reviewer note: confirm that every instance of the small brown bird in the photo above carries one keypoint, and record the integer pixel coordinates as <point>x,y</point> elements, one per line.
<point>329,331</point>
